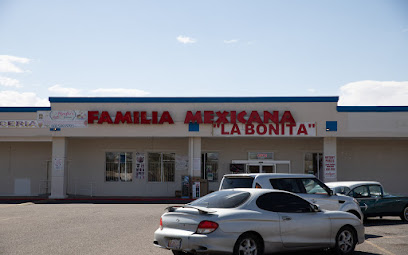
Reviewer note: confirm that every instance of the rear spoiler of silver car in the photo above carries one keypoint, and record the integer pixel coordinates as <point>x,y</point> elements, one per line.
<point>201,210</point>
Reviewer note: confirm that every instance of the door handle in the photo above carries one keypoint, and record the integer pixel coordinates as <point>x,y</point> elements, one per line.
<point>286,218</point>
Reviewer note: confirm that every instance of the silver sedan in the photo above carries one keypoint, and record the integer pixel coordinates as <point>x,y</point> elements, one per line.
<point>254,222</point>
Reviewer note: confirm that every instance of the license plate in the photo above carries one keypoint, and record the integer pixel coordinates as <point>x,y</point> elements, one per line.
<point>174,244</point>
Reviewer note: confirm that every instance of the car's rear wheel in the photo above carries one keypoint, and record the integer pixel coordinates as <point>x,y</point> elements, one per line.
<point>404,214</point>
<point>248,244</point>
<point>346,241</point>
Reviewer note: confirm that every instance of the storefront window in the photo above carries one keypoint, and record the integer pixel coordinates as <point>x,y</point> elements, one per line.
<point>118,166</point>
<point>161,167</point>
<point>209,167</point>
<point>314,163</point>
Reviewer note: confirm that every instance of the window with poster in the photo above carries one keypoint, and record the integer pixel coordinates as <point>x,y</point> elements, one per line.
<point>118,166</point>
<point>314,164</point>
<point>209,166</point>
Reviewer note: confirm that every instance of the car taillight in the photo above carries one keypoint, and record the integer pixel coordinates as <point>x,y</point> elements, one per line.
<point>206,227</point>
<point>258,186</point>
<point>161,224</point>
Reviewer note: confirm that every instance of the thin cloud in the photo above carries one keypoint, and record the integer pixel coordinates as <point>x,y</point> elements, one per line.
<point>58,90</point>
<point>119,92</point>
<point>374,93</point>
<point>7,63</point>
<point>186,39</point>
<point>231,41</point>
<point>14,98</point>
<point>9,82</point>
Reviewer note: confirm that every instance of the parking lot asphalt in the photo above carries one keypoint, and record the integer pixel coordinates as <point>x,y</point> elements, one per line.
<point>116,228</point>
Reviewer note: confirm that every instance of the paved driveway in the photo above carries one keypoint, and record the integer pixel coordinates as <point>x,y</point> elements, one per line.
<point>128,229</point>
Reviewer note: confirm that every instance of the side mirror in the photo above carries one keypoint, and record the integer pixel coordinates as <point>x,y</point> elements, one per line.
<point>315,207</point>
<point>331,192</point>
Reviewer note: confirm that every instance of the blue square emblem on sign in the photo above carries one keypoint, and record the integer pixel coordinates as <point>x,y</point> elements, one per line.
<point>193,127</point>
<point>331,125</point>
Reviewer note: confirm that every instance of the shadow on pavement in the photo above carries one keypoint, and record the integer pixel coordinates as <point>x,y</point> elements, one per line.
<point>384,222</point>
<point>367,236</point>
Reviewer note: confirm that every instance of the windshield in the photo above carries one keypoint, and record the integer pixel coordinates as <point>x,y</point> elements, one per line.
<point>341,190</point>
<point>237,182</point>
<point>222,199</point>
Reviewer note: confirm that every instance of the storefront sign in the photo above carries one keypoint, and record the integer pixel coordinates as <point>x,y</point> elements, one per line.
<point>330,167</point>
<point>20,124</point>
<point>225,117</point>
<point>260,155</point>
<point>129,118</point>
<point>63,119</point>
<point>283,129</point>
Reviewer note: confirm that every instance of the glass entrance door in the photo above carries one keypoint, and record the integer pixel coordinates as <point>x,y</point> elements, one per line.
<point>259,168</point>
<point>254,168</point>
<point>268,169</point>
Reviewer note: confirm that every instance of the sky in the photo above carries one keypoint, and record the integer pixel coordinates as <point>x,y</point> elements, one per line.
<point>354,49</point>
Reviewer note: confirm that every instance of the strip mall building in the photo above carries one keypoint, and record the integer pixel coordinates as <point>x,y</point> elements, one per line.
<point>144,147</point>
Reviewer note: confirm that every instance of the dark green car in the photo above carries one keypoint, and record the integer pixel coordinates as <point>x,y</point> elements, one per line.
<point>372,198</point>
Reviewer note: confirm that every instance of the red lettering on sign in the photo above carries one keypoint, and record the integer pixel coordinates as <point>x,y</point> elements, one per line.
<point>136,117</point>
<point>154,117</point>
<point>235,130</point>
<point>92,116</point>
<point>273,117</point>
<point>144,119</point>
<point>105,117</point>
<point>241,116</point>
<point>249,129</point>
<point>287,117</point>
<point>223,131</point>
<point>208,117</point>
<point>233,117</point>
<point>254,117</point>
<point>291,128</point>
<point>193,118</point>
<point>166,118</point>
<point>120,118</point>
<point>274,129</point>
<point>302,129</point>
<point>222,117</point>
<point>261,131</point>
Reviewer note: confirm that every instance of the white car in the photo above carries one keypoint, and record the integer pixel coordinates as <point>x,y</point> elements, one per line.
<point>255,221</point>
<point>304,185</point>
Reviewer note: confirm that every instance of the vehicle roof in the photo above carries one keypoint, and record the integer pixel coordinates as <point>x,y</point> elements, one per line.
<point>258,191</point>
<point>271,175</point>
<point>351,184</point>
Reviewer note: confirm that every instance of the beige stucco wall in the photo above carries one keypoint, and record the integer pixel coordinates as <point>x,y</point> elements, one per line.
<point>384,160</point>
<point>86,164</point>
<point>86,160</point>
<point>25,161</point>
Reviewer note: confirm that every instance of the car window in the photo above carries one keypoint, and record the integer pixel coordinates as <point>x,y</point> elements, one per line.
<point>375,190</point>
<point>290,185</point>
<point>312,186</point>
<point>341,190</point>
<point>283,202</point>
<point>222,199</point>
<point>361,191</point>
<point>237,182</point>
